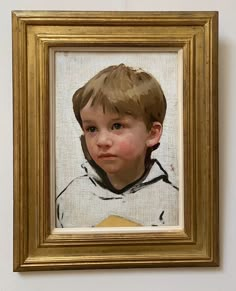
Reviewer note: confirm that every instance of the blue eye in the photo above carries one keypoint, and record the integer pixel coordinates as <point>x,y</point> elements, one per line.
<point>117,126</point>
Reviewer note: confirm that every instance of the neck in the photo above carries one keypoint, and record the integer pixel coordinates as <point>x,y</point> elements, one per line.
<point>130,175</point>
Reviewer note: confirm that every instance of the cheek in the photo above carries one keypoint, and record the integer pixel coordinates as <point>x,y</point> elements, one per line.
<point>127,148</point>
<point>90,146</point>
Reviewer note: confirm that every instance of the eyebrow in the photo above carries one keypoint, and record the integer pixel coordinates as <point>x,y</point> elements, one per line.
<point>88,121</point>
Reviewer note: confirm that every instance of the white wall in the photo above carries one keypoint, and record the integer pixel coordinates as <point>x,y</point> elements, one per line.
<point>184,279</point>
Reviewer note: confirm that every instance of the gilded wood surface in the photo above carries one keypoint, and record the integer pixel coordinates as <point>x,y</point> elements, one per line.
<point>36,245</point>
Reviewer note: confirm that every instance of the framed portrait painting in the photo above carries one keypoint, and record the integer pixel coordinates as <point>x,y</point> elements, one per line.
<point>115,139</point>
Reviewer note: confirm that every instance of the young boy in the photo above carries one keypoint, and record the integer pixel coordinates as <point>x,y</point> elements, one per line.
<point>121,111</point>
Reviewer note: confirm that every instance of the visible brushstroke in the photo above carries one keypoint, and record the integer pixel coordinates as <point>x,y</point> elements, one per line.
<point>111,198</point>
<point>161,215</point>
<point>65,188</point>
<point>92,181</point>
<point>58,215</point>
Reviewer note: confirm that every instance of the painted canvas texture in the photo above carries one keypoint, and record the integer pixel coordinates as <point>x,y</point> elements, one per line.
<point>88,193</point>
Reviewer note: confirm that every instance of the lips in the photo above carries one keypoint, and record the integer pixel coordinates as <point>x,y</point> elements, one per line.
<point>106,156</point>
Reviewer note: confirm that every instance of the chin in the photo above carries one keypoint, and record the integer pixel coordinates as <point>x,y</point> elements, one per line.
<point>110,169</point>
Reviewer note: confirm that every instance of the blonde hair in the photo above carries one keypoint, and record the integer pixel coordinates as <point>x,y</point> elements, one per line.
<point>123,90</point>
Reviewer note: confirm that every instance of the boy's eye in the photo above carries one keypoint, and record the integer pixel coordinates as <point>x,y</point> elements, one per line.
<point>91,129</point>
<point>117,125</point>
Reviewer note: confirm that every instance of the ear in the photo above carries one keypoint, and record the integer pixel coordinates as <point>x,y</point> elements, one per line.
<point>154,135</point>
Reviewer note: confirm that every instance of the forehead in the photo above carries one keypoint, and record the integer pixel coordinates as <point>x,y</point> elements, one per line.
<point>97,112</point>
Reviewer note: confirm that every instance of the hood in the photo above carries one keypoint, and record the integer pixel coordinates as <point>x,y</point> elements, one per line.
<point>154,173</point>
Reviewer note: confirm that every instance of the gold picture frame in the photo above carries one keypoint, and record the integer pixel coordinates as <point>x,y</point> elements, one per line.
<point>37,246</point>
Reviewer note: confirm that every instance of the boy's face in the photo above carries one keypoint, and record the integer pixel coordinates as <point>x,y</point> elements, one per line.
<point>116,143</point>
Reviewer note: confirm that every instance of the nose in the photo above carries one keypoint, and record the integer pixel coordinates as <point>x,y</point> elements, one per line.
<point>104,139</point>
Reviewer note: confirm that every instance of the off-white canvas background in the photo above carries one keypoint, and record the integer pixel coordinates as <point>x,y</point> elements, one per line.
<point>74,68</point>
<point>167,279</point>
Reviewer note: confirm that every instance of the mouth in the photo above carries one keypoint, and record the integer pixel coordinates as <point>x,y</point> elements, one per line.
<point>106,156</point>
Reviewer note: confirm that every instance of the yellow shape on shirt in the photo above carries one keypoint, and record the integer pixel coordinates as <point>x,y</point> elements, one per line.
<point>117,221</point>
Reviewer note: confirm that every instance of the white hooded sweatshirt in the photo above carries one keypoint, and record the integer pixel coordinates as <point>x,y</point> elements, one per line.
<point>87,201</point>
